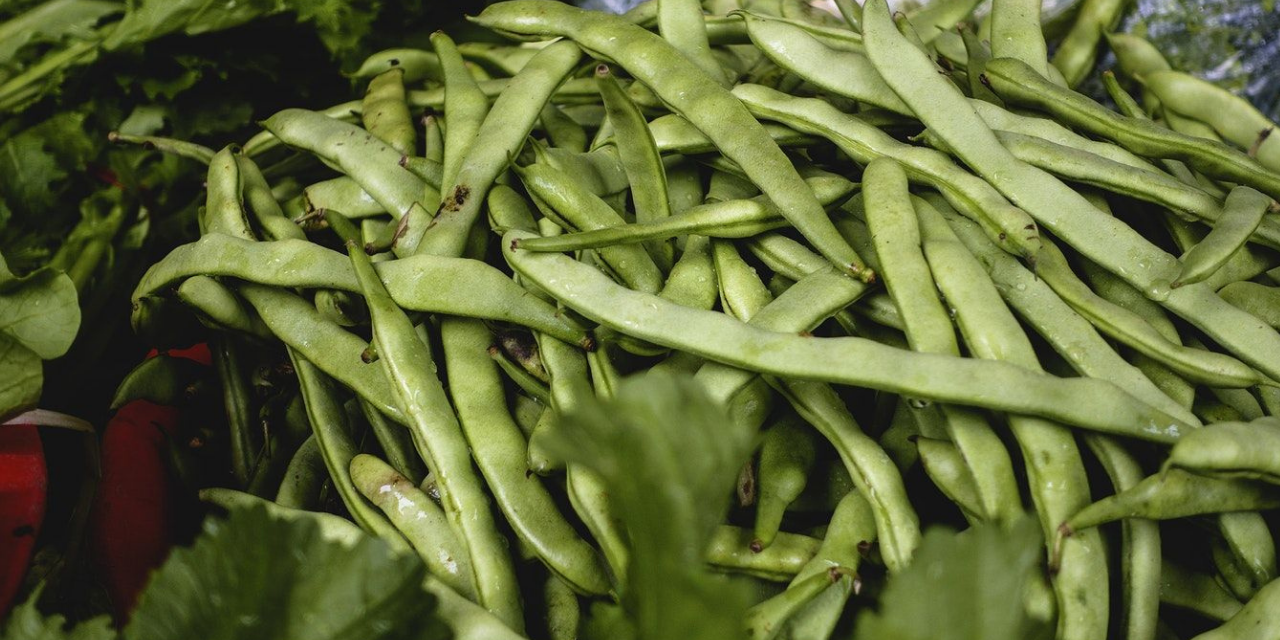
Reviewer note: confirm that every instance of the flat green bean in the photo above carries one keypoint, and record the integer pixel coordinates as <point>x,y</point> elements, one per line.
<point>370,162</point>
<point>928,376</point>
<point>440,440</point>
<point>497,141</point>
<point>499,450</point>
<point>419,283</point>
<point>693,94</point>
<point>1255,621</point>
<point>1241,215</point>
<point>417,518</point>
<point>972,196</point>
<point>1020,84</point>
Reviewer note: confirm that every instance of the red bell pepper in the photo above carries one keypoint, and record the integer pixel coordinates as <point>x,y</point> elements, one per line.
<point>135,512</point>
<point>24,484</point>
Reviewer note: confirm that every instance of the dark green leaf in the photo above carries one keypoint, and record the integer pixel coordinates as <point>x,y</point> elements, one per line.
<point>26,623</point>
<point>669,457</point>
<point>954,578</point>
<point>51,22</point>
<point>41,312</point>
<point>258,576</point>
<point>150,19</point>
<point>21,376</point>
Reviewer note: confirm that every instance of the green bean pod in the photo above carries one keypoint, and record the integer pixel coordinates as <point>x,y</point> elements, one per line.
<point>843,73</point>
<point>418,518</point>
<point>1255,621</point>
<point>1174,493</point>
<point>1016,33</point>
<point>1055,471</point>
<point>564,613</point>
<point>1020,84</point>
<point>499,450</point>
<point>1231,116</point>
<point>304,477</point>
<point>693,94</point>
<point>1247,550</point>
<point>497,140</point>
<point>1195,591</point>
<point>1259,300</point>
<point>370,162</point>
<point>583,210</point>
<point>224,203</point>
<point>341,194</point>
<point>164,380</point>
<point>927,376</point>
<point>895,233</point>
<point>851,529</point>
<point>732,549</point>
<point>680,23</point>
<point>262,205</point>
<point>440,440</point>
<point>416,64</point>
<point>1053,317</point>
<point>786,459</point>
<point>1140,565</point>
<point>973,197</point>
<point>420,283</point>
<point>329,426</point>
<point>1241,215</point>
<point>1076,55</point>
<point>385,113</point>
<point>946,467</point>
<point>1232,450</point>
<point>640,159</point>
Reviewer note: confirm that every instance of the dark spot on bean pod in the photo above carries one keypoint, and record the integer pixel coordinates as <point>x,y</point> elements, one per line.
<point>757,546</point>
<point>395,62</point>
<point>24,530</point>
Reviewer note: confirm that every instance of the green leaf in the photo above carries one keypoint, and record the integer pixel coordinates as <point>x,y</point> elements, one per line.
<point>971,584</point>
<point>669,457</point>
<point>150,19</point>
<point>26,623</point>
<point>341,24</point>
<point>255,575</point>
<point>51,22</point>
<point>21,377</point>
<point>41,312</point>
<point>37,160</point>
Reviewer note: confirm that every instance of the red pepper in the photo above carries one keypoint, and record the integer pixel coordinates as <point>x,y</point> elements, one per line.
<point>135,512</point>
<point>24,484</point>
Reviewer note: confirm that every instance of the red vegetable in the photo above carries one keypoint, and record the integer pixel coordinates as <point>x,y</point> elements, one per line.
<point>136,510</point>
<point>23,486</point>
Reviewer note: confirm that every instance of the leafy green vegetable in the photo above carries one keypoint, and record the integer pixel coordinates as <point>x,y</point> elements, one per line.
<point>21,377</point>
<point>670,459</point>
<point>26,623</point>
<point>955,575</point>
<point>39,317</point>
<point>258,576</point>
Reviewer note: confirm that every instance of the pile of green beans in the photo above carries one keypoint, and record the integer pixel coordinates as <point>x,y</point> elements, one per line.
<point>904,255</point>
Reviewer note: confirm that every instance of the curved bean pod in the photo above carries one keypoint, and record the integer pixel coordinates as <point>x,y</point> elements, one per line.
<point>1099,405</point>
<point>419,283</point>
<point>498,139</point>
<point>1241,215</point>
<point>693,94</point>
<point>370,162</point>
<point>1016,82</point>
<point>418,518</point>
<point>499,450</point>
<point>1232,450</point>
<point>972,196</point>
<point>439,437</point>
